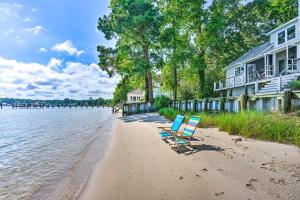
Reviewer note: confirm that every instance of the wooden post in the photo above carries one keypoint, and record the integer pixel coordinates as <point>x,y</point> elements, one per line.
<point>194,106</point>
<point>287,101</point>
<point>186,105</point>
<point>205,101</point>
<point>256,87</point>
<point>1,105</point>
<point>243,103</point>
<point>222,104</point>
<point>279,87</point>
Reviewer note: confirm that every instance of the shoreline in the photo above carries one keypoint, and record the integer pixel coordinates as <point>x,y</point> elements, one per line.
<point>139,165</point>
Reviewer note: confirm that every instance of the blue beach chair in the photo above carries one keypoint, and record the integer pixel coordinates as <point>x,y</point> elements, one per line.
<point>168,132</point>
<point>188,132</point>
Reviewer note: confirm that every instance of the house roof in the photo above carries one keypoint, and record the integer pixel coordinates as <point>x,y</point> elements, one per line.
<point>137,91</point>
<point>252,53</point>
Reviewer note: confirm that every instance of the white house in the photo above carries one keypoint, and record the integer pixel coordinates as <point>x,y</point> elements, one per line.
<point>267,68</point>
<point>135,96</point>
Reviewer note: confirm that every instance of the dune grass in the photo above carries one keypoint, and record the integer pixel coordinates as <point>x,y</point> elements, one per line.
<point>258,125</point>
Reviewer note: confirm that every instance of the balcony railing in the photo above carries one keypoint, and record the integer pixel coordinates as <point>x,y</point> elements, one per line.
<point>258,75</point>
<point>234,81</point>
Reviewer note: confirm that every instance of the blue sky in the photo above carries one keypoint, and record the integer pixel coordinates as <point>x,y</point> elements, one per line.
<point>48,49</point>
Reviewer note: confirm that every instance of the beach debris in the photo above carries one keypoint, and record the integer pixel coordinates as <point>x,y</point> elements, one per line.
<point>236,140</point>
<point>250,184</point>
<point>221,170</point>
<point>181,177</point>
<point>205,170</point>
<point>227,155</point>
<point>281,181</point>
<point>278,181</point>
<point>219,193</point>
<point>197,175</point>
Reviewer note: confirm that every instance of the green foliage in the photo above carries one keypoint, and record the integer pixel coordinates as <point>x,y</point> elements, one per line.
<point>295,85</point>
<point>190,45</point>
<point>271,127</point>
<point>135,24</point>
<point>121,91</point>
<point>65,102</point>
<point>168,113</point>
<point>161,102</point>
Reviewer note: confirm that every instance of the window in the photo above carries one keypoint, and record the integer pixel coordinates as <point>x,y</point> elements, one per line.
<point>238,71</point>
<point>281,37</point>
<point>291,33</point>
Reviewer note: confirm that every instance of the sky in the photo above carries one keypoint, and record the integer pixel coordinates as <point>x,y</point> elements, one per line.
<point>48,49</point>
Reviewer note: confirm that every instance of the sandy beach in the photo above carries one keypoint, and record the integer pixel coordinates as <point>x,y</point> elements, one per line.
<point>139,165</point>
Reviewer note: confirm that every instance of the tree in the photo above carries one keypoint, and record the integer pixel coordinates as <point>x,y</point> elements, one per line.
<point>195,17</point>
<point>174,41</point>
<point>135,24</point>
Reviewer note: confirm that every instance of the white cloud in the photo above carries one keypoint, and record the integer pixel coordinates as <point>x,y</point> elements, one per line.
<point>17,27</point>
<point>67,47</point>
<point>9,10</point>
<point>42,50</point>
<point>35,30</point>
<point>34,80</point>
<point>54,63</point>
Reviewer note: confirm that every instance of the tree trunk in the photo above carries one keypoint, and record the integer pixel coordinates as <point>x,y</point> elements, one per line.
<point>150,86</point>
<point>146,89</point>
<point>175,83</point>
<point>201,74</point>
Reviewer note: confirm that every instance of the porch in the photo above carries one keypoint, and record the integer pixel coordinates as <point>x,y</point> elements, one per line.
<point>273,65</point>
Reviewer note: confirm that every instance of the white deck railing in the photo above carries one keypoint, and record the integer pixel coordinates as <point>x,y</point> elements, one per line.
<point>230,82</point>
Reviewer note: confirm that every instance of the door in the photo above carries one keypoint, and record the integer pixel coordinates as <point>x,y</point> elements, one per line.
<point>281,65</point>
<point>269,65</point>
<point>251,69</point>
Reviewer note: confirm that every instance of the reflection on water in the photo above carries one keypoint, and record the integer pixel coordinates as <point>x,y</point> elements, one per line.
<point>49,153</point>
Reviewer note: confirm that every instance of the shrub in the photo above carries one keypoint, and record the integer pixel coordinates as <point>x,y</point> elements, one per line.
<point>168,113</point>
<point>162,102</point>
<point>295,85</point>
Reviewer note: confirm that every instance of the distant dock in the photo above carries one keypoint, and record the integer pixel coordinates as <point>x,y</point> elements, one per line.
<point>47,106</point>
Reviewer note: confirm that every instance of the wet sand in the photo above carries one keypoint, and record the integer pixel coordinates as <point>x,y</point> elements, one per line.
<point>139,165</point>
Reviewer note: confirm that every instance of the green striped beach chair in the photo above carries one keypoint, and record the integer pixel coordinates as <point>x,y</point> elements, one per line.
<point>187,134</point>
<point>168,132</point>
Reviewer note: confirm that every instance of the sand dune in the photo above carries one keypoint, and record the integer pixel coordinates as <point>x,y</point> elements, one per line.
<point>139,165</point>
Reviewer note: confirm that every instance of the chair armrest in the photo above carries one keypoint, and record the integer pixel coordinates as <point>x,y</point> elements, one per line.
<point>165,128</point>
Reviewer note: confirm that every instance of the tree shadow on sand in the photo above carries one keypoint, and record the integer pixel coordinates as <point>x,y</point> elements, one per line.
<point>150,117</point>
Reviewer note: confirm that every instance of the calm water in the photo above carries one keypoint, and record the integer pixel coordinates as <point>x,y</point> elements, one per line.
<point>49,153</point>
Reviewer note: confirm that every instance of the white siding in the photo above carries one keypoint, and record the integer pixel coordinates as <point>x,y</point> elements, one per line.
<point>230,72</point>
<point>274,36</point>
